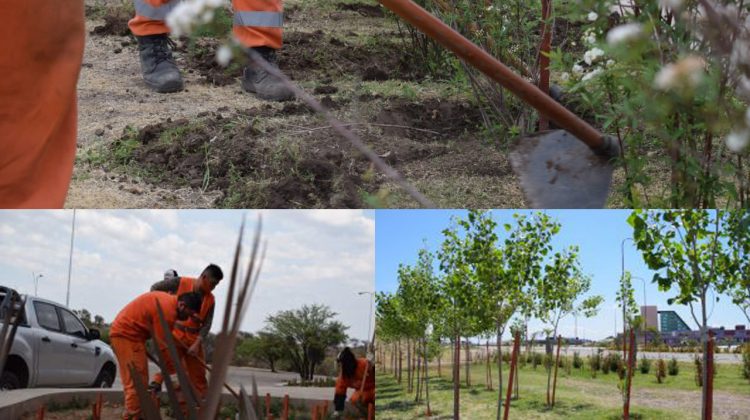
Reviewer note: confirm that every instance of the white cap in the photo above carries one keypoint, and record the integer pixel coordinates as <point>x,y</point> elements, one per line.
<point>170,274</point>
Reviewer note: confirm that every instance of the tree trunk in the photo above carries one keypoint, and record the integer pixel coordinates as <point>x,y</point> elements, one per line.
<point>418,375</point>
<point>704,374</point>
<point>489,364</point>
<point>408,367</point>
<point>456,377</point>
<point>427,379</point>
<point>440,356</point>
<point>549,372</point>
<point>400,362</point>
<point>468,363</point>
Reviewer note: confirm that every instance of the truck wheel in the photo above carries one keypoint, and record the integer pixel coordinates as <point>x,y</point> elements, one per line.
<point>8,381</point>
<point>105,378</point>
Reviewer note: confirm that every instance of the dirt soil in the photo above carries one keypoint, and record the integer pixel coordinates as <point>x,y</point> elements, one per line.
<point>213,145</point>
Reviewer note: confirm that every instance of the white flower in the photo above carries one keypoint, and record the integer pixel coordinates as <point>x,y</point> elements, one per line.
<point>591,75</point>
<point>189,13</point>
<point>686,73</point>
<point>737,141</point>
<point>592,55</point>
<point>610,63</point>
<point>223,55</point>
<point>593,16</point>
<point>565,77</point>
<point>578,69</point>
<point>624,33</point>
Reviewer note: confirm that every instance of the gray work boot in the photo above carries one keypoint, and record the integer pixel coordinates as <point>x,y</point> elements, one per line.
<point>262,83</point>
<point>157,64</point>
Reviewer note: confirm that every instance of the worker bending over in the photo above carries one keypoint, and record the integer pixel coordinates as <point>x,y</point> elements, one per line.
<point>137,322</point>
<point>357,373</point>
<point>257,26</point>
<point>190,333</point>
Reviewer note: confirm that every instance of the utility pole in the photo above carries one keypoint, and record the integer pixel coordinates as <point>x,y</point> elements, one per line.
<point>70,258</point>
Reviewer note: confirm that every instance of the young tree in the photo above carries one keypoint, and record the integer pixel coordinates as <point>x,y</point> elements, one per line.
<point>459,292</point>
<point>307,333</point>
<point>737,260</point>
<point>563,285</point>
<point>685,248</point>
<point>626,301</point>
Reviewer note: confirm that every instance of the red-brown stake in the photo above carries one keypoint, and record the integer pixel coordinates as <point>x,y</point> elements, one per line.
<point>708,415</point>
<point>371,411</point>
<point>285,407</point>
<point>629,383</point>
<point>40,413</point>
<point>268,405</point>
<point>497,71</point>
<point>513,360</point>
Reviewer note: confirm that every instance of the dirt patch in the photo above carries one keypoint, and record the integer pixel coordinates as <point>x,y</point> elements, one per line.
<point>248,165</point>
<point>304,52</point>
<point>368,10</point>
<point>201,58</point>
<point>430,118</point>
<point>115,22</point>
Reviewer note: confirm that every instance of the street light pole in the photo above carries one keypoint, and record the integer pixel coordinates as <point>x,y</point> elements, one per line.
<point>70,258</point>
<point>369,320</point>
<point>36,281</point>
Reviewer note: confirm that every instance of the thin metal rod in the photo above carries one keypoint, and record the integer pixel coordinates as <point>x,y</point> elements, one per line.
<point>495,70</point>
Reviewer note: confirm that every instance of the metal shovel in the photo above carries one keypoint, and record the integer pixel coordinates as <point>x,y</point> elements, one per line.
<point>568,168</point>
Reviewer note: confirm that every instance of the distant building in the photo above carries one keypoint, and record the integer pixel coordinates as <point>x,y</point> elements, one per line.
<point>671,322</point>
<point>651,315</point>
<point>675,331</point>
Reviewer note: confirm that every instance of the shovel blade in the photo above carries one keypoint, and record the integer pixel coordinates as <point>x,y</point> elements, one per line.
<point>559,171</point>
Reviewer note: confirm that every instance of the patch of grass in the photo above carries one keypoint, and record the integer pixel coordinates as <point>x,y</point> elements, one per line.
<point>220,27</point>
<point>578,395</point>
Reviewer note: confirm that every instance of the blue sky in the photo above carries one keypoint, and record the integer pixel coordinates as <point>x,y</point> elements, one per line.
<point>599,233</point>
<point>322,257</point>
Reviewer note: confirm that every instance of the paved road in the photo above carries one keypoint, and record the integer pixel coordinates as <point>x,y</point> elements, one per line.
<point>723,358</point>
<point>268,382</point>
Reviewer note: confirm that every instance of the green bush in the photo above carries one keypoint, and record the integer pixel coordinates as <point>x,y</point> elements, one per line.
<point>595,363</point>
<point>605,365</point>
<point>537,359</point>
<point>674,367</point>
<point>746,361</point>
<point>645,365</point>
<point>577,361</point>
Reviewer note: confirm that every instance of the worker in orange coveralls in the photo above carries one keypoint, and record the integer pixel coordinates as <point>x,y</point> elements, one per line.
<point>134,325</point>
<point>354,371</point>
<point>42,51</point>
<point>192,332</point>
<point>257,26</point>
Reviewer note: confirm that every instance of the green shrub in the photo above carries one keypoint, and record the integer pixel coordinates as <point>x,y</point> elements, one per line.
<point>674,367</point>
<point>645,365</point>
<point>537,359</point>
<point>577,361</point>
<point>746,361</point>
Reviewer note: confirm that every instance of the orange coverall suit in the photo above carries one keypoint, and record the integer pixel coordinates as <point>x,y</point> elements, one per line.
<point>185,333</point>
<point>130,331</point>
<point>367,394</point>
<point>257,23</point>
<point>39,65</point>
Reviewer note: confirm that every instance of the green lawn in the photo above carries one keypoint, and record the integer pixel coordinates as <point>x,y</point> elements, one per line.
<point>578,395</point>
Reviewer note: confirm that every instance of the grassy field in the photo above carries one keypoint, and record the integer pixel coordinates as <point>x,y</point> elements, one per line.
<point>578,395</point>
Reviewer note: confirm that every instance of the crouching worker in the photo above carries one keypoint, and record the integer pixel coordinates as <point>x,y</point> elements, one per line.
<point>357,373</point>
<point>192,332</point>
<point>134,325</point>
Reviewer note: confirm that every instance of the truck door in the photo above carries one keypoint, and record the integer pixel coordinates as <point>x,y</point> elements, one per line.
<point>52,360</point>
<point>82,352</point>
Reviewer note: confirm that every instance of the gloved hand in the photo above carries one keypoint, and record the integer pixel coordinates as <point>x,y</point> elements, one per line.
<point>154,388</point>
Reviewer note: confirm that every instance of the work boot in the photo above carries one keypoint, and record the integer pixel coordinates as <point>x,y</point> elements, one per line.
<point>262,83</point>
<point>157,64</point>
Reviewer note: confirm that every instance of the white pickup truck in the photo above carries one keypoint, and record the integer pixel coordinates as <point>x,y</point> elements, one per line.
<point>53,348</point>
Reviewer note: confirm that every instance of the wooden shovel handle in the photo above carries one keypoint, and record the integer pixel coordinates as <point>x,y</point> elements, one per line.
<point>497,71</point>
